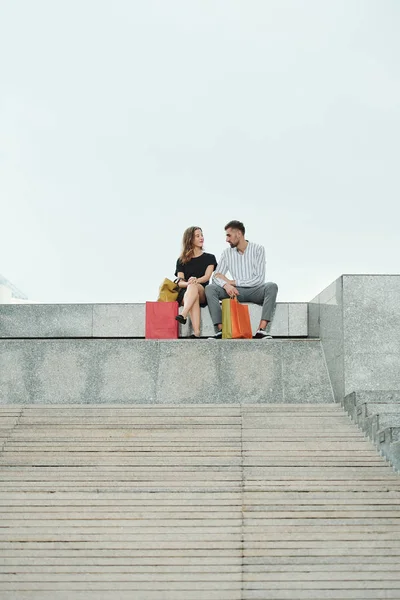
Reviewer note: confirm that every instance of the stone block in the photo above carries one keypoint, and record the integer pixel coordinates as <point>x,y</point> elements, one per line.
<point>357,319</point>
<point>189,372</point>
<point>251,371</point>
<point>303,382</point>
<point>119,320</point>
<point>78,371</point>
<point>280,324</point>
<point>45,320</point>
<point>371,370</point>
<point>298,319</point>
<point>123,321</point>
<point>126,371</point>
<point>314,318</point>
<point>15,380</point>
<point>371,316</point>
<point>326,322</point>
<point>48,371</point>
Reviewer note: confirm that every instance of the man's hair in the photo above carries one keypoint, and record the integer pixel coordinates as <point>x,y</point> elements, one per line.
<point>235,225</point>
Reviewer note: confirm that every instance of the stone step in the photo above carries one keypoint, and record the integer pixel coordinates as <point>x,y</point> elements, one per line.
<point>120,564</point>
<point>300,593</point>
<point>233,408</point>
<point>373,426</point>
<point>124,320</point>
<point>378,415</point>
<point>388,441</point>
<point>118,594</point>
<point>105,504</point>
<point>130,371</point>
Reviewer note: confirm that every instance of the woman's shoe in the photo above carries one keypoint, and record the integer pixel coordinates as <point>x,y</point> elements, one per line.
<point>181,319</point>
<point>194,337</point>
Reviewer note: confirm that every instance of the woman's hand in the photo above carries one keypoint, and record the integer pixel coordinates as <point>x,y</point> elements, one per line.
<point>192,280</point>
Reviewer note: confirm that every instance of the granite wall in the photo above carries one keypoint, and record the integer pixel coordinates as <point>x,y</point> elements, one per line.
<point>357,319</point>
<point>177,371</point>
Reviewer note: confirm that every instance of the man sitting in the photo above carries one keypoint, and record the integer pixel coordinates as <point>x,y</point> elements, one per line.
<point>245,261</point>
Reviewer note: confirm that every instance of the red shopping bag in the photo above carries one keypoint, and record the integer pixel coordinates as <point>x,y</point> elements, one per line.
<point>160,321</point>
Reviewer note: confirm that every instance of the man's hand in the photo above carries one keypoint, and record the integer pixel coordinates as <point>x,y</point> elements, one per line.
<point>231,290</point>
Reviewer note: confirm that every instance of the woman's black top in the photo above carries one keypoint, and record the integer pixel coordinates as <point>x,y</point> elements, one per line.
<point>196,267</point>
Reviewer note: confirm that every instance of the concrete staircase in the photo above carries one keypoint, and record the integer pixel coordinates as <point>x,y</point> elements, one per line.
<point>192,502</point>
<point>378,415</point>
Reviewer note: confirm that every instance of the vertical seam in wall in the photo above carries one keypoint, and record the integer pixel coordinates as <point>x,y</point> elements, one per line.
<point>242,501</point>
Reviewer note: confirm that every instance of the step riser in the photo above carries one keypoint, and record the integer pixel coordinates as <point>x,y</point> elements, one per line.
<point>180,372</point>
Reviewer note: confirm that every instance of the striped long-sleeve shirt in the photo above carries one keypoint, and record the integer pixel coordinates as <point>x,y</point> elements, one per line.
<point>247,268</point>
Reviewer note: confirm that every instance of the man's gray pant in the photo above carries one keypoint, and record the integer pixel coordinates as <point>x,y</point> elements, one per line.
<point>264,294</point>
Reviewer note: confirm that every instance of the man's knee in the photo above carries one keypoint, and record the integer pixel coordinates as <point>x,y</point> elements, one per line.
<point>271,287</point>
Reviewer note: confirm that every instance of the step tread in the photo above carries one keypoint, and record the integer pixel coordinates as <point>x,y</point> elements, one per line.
<point>195,502</point>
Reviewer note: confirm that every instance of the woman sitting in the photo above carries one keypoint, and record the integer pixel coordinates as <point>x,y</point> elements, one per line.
<point>194,268</point>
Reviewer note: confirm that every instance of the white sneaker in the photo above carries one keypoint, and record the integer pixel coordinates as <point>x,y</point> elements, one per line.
<point>261,334</point>
<point>217,336</point>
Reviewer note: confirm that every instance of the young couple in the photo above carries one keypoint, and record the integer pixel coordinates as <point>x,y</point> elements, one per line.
<point>245,262</point>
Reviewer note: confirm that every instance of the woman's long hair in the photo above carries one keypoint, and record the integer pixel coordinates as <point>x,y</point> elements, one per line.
<point>187,244</point>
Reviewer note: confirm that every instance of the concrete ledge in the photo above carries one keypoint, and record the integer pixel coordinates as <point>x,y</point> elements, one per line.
<point>123,321</point>
<point>176,371</point>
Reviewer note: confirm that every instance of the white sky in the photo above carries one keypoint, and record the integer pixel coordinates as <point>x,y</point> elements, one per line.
<point>122,122</point>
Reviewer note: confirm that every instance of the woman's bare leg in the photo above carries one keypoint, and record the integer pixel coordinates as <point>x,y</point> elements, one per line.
<point>195,317</point>
<point>195,310</point>
<point>190,297</point>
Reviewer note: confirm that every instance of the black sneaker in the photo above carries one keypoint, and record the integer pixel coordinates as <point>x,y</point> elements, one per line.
<point>193,337</point>
<point>217,336</point>
<point>261,334</point>
<point>181,319</point>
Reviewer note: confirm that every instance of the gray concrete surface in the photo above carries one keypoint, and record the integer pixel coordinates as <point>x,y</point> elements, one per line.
<point>194,502</point>
<point>357,319</point>
<point>170,371</point>
<point>123,320</point>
